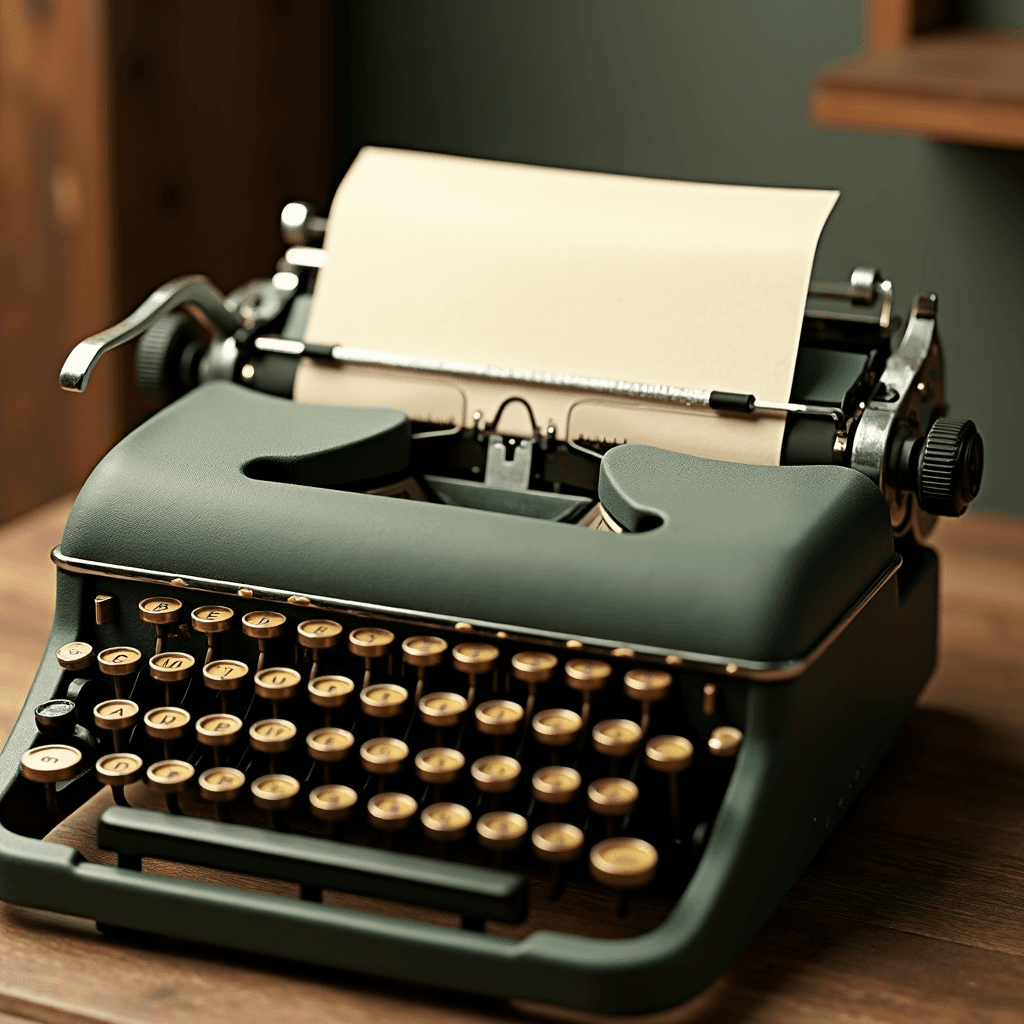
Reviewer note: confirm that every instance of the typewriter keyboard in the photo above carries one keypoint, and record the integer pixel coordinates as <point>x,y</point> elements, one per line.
<point>594,775</point>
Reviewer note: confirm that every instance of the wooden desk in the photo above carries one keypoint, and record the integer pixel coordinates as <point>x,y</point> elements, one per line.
<point>914,912</point>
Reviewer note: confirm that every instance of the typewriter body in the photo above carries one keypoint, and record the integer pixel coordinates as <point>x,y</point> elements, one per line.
<point>512,715</point>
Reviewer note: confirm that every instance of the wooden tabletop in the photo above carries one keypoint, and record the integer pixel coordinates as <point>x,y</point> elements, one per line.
<point>913,912</point>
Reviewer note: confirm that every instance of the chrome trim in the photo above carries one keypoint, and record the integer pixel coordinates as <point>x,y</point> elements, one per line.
<point>737,668</point>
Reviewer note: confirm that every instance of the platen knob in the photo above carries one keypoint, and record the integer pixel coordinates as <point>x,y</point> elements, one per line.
<point>950,467</point>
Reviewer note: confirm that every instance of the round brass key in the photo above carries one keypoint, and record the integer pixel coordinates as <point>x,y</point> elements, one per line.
<point>329,692</point>
<point>117,771</point>
<point>218,731</point>
<point>384,756</point>
<point>329,745</point>
<point>442,710</point>
<point>263,626</point>
<point>49,764</point>
<point>332,804</point>
<point>224,676</point>
<point>557,843</point>
<point>555,785</point>
<point>390,813</point>
<point>118,662</point>
<point>75,656</point>
<point>725,741</point>
<point>169,668</point>
<point>276,685</point>
<point>274,794</point>
<point>557,727</point>
<point>222,787</point>
<point>117,716</point>
<point>171,778</point>
<point>161,612</point>
<point>495,773</point>
<point>670,755</point>
<point>439,766</point>
<point>212,619</point>
<point>647,685</point>
<point>370,643</point>
<point>616,738</point>
<point>473,660</point>
<point>383,701</point>
<point>446,823</point>
<point>501,831</point>
<point>498,718</point>
<point>317,636</point>
<point>612,799</point>
<point>623,864</point>
<point>272,736</point>
<point>587,675</point>
<point>422,652</point>
<point>167,724</point>
<point>533,668</point>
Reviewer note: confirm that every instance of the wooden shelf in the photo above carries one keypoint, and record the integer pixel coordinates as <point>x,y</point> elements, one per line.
<point>964,85</point>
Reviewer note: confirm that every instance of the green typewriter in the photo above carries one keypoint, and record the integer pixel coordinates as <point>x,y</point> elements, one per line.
<point>527,716</point>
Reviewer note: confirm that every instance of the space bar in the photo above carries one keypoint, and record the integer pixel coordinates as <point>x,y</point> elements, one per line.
<point>474,892</point>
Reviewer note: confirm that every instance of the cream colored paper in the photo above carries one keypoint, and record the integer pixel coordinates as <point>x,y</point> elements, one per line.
<point>695,285</point>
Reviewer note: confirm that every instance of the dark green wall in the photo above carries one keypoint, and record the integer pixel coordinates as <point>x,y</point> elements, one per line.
<point>719,92</point>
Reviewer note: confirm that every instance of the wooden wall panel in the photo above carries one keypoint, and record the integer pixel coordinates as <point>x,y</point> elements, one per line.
<point>55,273</point>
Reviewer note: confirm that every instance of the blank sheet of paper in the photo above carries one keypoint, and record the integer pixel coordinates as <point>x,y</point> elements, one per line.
<point>635,279</point>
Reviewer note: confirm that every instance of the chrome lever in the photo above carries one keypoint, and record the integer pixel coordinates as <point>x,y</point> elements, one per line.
<point>195,288</point>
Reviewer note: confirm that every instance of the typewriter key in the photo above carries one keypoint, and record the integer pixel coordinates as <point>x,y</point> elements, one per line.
<point>329,692</point>
<point>446,823</point>
<point>647,686</point>
<point>670,755</point>
<point>223,676</point>
<point>557,843</point>
<point>587,675</point>
<point>498,718</point>
<point>474,659</point>
<point>384,756</point>
<point>494,774</point>
<point>317,636</point>
<point>171,778</point>
<point>533,668</point>
<point>263,626</point>
<point>612,798</point>
<point>328,745</point>
<point>390,813</point>
<point>616,738</point>
<point>117,717</point>
<point>75,657</point>
<point>439,766</point>
<point>218,731</point>
<point>118,771</point>
<point>169,668</point>
<point>623,864</point>
<point>275,794</point>
<point>725,741</point>
<point>221,787</point>
<point>272,736</point>
<point>56,719</point>
<point>370,643</point>
<point>166,725</point>
<point>383,700</point>
<point>555,785</point>
<point>442,710</point>
<point>556,728</point>
<point>501,831</point>
<point>161,612</point>
<point>212,619</point>
<point>119,662</point>
<point>332,804</point>
<point>423,652</point>
<point>277,684</point>
<point>50,764</point>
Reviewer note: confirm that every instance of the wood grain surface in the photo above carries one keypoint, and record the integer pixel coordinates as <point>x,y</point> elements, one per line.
<point>912,913</point>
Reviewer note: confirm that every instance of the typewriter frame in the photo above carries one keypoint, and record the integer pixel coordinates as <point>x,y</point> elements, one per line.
<point>784,806</point>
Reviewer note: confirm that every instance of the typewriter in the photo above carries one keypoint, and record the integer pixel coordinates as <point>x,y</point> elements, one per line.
<point>514,715</point>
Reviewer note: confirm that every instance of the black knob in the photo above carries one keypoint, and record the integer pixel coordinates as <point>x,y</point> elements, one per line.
<point>56,719</point>
<point>167,357</point>
<point>950,466</point>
